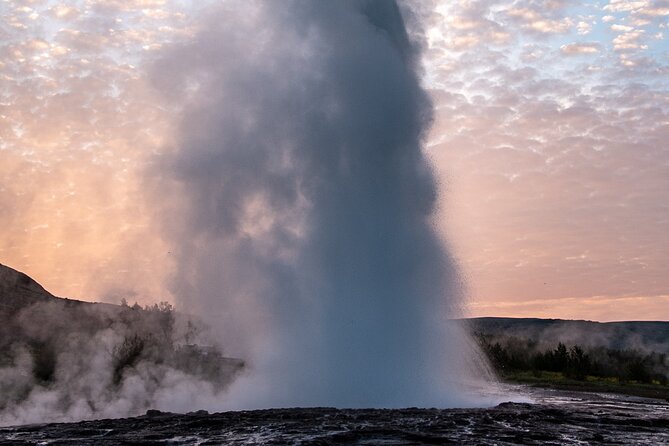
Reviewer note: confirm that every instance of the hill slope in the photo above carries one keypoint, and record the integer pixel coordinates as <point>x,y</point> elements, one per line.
<point>18,290</point>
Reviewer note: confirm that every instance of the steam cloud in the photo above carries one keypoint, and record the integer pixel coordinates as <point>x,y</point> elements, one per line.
<point>66,361</point>
<point>300,205</point>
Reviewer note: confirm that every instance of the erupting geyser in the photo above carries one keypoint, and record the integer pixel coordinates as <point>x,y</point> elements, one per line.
<point>303,202</point>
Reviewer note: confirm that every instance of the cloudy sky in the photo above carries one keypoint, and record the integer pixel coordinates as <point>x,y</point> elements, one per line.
<point>550,141</point>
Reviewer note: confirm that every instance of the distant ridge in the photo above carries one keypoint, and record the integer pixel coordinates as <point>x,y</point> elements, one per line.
<point>643,335</point>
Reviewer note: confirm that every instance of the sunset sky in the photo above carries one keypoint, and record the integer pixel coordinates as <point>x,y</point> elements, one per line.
<point>550,142</point>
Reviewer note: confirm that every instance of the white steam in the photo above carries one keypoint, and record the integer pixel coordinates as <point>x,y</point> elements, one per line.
<point>299,203</point>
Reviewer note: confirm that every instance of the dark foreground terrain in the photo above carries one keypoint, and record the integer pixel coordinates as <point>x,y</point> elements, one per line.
<point>554,418</point>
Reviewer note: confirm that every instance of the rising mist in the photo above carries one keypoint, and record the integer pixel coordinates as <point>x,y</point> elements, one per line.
<point>299,203</point>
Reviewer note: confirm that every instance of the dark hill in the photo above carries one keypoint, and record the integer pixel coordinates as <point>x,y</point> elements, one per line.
<point>18,290</point>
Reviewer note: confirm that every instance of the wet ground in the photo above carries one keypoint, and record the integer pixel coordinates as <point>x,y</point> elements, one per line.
<point>553,418</point>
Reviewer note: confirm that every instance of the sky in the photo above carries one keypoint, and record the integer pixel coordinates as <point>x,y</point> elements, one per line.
<point>549,142</point>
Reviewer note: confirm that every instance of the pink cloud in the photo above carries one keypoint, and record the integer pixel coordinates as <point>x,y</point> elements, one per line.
<point>580,48</point>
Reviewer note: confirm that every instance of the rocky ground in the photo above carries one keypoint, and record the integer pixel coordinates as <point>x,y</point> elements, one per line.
<point>554,418</point>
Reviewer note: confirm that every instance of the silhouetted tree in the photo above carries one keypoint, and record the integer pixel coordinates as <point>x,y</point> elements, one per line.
<point>126,355</point>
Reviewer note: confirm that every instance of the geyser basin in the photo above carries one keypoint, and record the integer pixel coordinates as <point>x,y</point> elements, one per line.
<point>303,205</point>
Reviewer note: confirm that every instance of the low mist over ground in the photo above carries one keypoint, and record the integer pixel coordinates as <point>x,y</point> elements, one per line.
<point>622,357</point>
<point>64,359</point>
<point>633,335</point>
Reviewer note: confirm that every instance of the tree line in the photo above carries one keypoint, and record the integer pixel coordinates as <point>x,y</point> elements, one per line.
<point>511,354</point>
